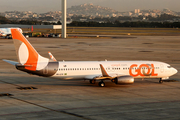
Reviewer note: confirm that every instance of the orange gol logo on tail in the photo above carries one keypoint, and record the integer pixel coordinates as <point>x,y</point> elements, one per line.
<point>32,58</point>
<point>142,70</point>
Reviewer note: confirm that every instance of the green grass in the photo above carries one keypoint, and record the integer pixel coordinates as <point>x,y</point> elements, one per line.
<point>114,31</point>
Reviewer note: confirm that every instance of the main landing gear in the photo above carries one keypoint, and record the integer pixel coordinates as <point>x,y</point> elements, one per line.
<point>101,84</point>
<point>161,81</point>
<point>92,81</point>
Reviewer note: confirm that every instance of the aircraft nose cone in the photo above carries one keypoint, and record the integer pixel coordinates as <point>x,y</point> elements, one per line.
<point>174,71</point>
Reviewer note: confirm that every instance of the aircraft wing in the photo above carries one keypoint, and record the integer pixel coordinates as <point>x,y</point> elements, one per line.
<point>100,77</point>
<point>52,57</point>
<point>103,76</point>
<point>116,78</point>
<point>92,77</point>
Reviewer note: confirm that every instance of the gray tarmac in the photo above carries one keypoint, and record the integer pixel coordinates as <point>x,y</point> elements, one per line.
<point>57,99</point>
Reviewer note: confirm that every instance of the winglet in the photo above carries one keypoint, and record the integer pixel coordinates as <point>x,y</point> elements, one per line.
<point>52,57</point>
<point>104,73</point>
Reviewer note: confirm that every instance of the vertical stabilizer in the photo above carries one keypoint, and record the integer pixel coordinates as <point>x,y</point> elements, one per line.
<point>26,53</point>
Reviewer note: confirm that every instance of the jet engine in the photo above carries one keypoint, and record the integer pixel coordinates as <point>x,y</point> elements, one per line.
<point>124,80</point>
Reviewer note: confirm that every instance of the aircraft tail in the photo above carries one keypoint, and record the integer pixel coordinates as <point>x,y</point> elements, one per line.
<point>26,53</point>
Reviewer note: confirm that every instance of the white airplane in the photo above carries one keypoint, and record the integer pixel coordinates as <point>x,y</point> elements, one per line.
<point>6,32</point>
<point>119,72</point>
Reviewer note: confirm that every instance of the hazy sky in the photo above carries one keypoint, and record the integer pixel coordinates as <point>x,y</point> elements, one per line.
<point>41,6</point>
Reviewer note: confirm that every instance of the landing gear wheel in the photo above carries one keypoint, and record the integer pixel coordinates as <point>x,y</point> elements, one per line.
<point>92,81</point>
<point>114,81</point>
<point>161,81</point>
<point>101,84</point>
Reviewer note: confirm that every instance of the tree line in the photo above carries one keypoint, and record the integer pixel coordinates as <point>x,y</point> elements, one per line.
<point>115,23</point>
<point>127,24</point>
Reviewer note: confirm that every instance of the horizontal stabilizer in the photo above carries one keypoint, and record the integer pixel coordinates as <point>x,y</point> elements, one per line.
<point>20,65</point>
<point>11,62</point>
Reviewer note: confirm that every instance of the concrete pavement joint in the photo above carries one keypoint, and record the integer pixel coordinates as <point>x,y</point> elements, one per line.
<point>10,83</point>
<point>64,112</point>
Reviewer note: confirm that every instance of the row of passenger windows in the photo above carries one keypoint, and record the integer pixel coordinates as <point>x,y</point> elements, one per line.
<point>67,69</point>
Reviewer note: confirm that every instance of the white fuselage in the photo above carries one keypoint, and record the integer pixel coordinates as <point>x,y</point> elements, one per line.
<point>136,69</point>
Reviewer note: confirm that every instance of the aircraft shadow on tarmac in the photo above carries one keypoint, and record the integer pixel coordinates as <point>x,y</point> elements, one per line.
<point>36,81</point>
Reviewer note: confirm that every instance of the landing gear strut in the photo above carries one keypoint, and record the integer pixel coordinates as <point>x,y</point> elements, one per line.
<point>160,81</point>
<point>92,81</point>
<point>101,84</point>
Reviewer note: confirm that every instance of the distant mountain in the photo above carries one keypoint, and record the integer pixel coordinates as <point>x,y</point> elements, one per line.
<point>91,10</point>
<point>94,10</point>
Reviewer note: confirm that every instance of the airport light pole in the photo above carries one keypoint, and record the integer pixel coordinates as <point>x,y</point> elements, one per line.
<point>64,18</point>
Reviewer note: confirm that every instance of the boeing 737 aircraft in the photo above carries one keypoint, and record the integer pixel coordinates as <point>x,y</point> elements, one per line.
<point>119,72</point>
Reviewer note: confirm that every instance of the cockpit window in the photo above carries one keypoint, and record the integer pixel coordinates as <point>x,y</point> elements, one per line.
<point>169,66</point>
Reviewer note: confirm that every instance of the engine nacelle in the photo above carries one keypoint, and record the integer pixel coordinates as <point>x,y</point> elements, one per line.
<point>124,80</point>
